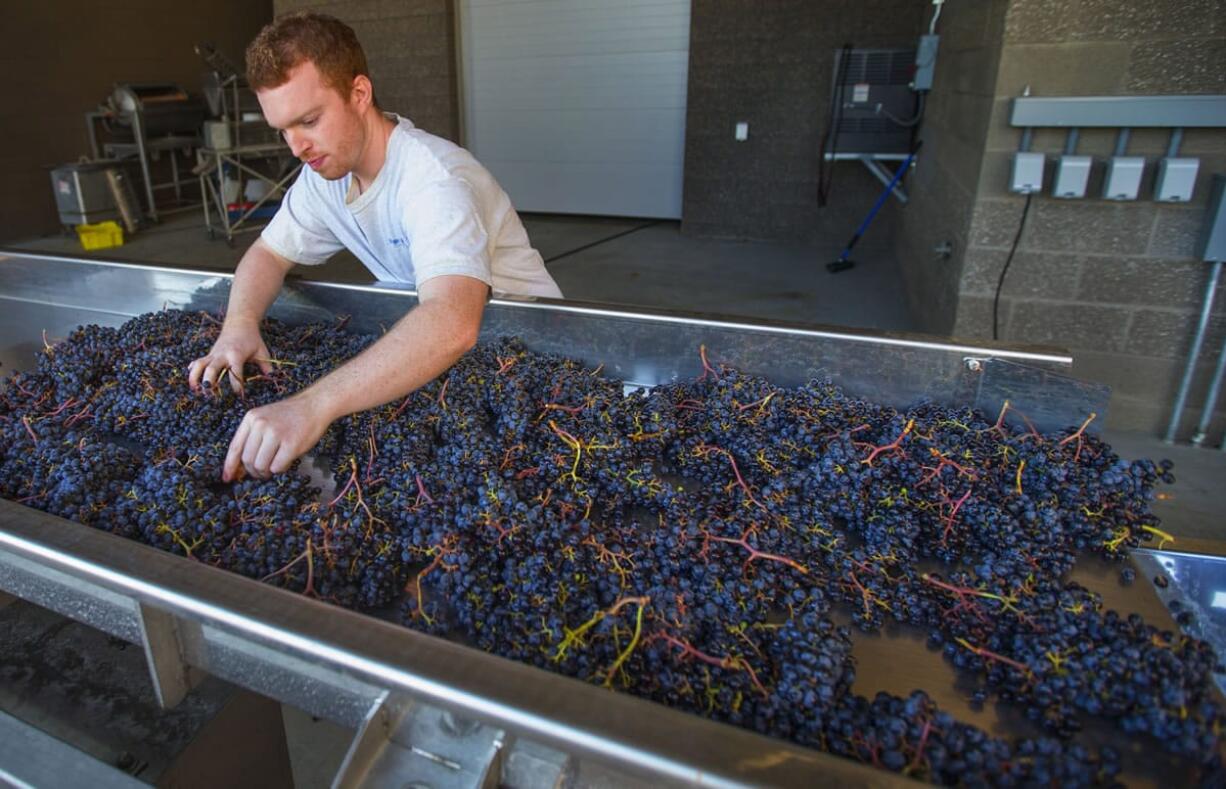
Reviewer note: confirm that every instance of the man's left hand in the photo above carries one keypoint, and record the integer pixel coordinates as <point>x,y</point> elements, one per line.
<point>273,436</point>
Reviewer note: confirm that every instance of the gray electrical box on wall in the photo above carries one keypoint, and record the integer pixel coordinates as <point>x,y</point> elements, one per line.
<point>1176,179</point>
<point>925,62</point>
<point>1123,178</point>
<point>1027,174</point>
<point>1072,176</point>
<point>1212,244</point>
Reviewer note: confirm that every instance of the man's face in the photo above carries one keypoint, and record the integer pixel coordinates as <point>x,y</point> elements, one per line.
<point>321,127</point>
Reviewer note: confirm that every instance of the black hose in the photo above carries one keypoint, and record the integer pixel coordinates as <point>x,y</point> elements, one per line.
<point>830,135</point>
<point>1000,284</point>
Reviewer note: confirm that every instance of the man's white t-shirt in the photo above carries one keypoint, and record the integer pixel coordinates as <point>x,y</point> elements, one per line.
<point>431,210</point>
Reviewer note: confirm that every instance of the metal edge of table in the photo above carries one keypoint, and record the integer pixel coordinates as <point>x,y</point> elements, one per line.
<point>1045,355</point>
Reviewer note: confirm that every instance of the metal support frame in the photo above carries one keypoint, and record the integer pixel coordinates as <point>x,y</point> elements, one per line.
<point>142,149</point>
<point>213,161</point>
<point>373,736</point>
<point>30,757</point>
<point>138,131</point>
<point>437,748</point>
<point>162,637</point>
<point>872,162</point>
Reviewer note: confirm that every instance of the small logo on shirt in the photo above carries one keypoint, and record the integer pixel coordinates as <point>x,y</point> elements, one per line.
<point>398,242</point>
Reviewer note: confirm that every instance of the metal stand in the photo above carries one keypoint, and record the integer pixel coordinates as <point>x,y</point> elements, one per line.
<point>28,757</point>
<point>872,162</point>
<point>400,738</point>
<point>213,162</point>
<point>143,149</point>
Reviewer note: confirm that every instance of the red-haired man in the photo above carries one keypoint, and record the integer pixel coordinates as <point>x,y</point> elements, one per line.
<point>412,207</point>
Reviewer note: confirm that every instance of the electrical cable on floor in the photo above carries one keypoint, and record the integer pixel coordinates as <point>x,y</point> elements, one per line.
<point>1000,284</point>
<point>613,237</point>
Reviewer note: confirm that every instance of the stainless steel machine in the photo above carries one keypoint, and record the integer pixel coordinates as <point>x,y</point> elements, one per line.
<point>429,710</point>
<point>145,120</point>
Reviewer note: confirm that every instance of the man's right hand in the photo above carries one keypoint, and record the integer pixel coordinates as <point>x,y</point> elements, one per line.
<point>235,347</point>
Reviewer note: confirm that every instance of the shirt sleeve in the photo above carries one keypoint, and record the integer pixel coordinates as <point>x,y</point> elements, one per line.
<point>447,234</point>
<point>297,231</point>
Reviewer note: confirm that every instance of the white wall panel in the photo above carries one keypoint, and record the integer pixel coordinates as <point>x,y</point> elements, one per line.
<point>578,106</point>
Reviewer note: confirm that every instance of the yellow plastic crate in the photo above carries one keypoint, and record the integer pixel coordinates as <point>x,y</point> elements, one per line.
<point>101,235</point>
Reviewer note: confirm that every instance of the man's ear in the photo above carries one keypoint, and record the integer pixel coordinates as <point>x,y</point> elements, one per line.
<point>362,92</point>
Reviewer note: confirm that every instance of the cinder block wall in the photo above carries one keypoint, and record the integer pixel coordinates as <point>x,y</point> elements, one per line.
<point>410,48</point>
<point>1115,283</point>
<point>60,60</point>
<point>945,181</point>
<point>771,64</point>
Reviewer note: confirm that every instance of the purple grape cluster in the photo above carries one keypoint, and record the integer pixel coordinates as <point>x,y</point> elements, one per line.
<point>695,544</point>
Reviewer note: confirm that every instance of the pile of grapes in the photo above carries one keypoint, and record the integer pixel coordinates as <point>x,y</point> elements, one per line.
<point>693,544</point>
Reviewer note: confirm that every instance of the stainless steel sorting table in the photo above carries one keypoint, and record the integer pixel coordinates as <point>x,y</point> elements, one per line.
<point>422,704</point>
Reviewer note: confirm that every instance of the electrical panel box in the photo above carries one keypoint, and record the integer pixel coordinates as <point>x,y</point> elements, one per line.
<point>925,62</point>
<point>1072,177</point>
<point>870,86</point>
<point>1176,179</point>
<point>1123,178</point>
<point>1027,175</point>
<point>1212,243</point>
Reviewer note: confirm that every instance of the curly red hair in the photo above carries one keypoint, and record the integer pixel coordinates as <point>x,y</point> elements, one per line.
<point>296,38</point>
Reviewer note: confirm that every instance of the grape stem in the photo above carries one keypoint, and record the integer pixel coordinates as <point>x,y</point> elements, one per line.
<point>309,589</point>
<point>702,450</point>
<point>754,553</point>
<point>990,655</point>
<point>896,444</point>
<point>949,520</point>
<point>707,369</point>
<point>625,653</point>
<point>1078,435</point>
<point>732,663</point>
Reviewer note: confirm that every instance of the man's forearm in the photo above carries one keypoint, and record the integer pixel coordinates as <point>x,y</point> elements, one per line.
<point>257,281</point>
<point>421,345</point>
<point>414,352</point>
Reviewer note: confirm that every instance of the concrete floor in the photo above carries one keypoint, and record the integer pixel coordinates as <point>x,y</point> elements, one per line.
<point>634,262</point>
<point>617,261</point>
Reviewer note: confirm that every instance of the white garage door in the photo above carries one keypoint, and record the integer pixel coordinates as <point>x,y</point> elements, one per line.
<point>578,106</point>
